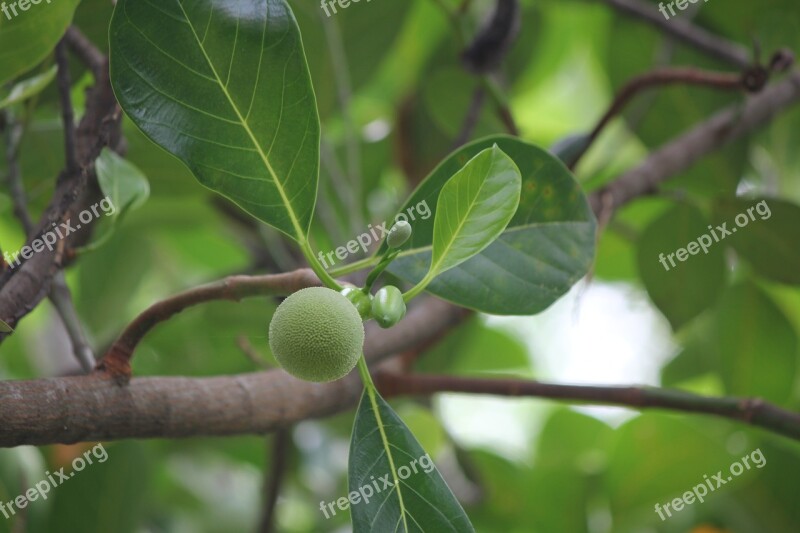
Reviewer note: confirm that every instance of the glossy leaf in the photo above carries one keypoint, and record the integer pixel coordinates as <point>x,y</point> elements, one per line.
<point>547,247</point>
<point>757,345</point>
<point>768,236</point>
<point>474,208</point>
<point>408,493</point>
<point>680,283</point>
<point>29,87</point>
<point>27,38</point>
<point>224,86</point>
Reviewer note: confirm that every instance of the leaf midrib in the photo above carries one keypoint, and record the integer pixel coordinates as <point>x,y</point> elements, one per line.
<point>437,264</point>
<point>300,234</point>
<point>385,442</point>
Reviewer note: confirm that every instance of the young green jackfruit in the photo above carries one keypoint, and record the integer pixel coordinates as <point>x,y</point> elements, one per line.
<point>316,334</point>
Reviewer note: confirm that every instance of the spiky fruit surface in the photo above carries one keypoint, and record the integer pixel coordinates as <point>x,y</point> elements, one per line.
<point>316,334</point>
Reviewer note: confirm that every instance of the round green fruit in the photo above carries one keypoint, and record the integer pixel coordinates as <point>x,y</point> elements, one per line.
<point>399,234</point>
<point>388,307</point>
<point>316,334</point>
<point>360,300</point>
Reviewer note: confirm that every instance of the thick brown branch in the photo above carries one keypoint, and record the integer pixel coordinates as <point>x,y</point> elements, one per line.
<point>94,407</point>
<point>22,288</point>
<point>753,411</point>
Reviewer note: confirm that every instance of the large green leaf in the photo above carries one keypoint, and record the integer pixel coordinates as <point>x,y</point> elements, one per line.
<point>681,278</point>
<point>767,237</point>
<point>546,248</point>
<point>403,486</point>
<point>757,345</point>
<point>224,86</point>
<point>29,36</point>
<point>474,208</point>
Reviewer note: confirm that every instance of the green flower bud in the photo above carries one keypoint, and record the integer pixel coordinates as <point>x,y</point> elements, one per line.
<point>399,234</point>
<point>361,301</point>
<point>388,307</point>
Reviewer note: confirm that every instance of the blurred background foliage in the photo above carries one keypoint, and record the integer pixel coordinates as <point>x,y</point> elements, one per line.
<point>392,97</point>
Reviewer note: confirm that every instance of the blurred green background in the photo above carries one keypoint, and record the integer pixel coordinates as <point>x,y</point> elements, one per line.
<point>724,326</point>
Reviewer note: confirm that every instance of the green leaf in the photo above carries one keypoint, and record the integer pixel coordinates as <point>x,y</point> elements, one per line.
<point>124,184</point>
<point>29,87</point>
<point>768,236</point>
<point>31,35</point>
<point>224,86</point>
<point>121,181</point>
<point>547,247</point>
<point>757,345</point>
<point>474,208</point>
<point>680,289</point>
<point>408,493</point>
<point>5,328</point>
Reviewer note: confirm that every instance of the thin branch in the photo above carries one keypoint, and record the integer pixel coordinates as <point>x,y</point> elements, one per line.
<point>279,463</point>
<point>344,92</point>
<point>686,32</point>
<point>117,360</point>
<point>243,343</point>
<point>471,120</point>
<point>709,136</point>
<point>67,114</point>
<point>660,77</point>
<point>61,298</point>
<point>88,53</point>
<point>14,132</point>
<point>753,411</point>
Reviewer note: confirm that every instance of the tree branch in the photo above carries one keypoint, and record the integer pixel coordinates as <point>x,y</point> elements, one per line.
<point>87,52</point>
<point>686,32</point>
<point>94,407</point>
<point>22,288</point>
<point>116,362</point>
<point>279,459</point>
<point>682,152</point>
<point>67,113</point>
<point>753,411</point>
